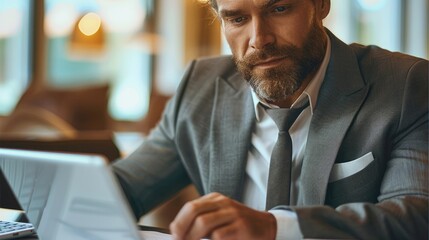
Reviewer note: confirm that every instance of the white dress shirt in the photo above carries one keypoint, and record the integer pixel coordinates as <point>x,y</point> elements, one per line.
<point>263,140</point>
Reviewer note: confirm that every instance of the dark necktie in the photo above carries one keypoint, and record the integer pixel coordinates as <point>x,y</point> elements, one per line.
<point>279,177</point>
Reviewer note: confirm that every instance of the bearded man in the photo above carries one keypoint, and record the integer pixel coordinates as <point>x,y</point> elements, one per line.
<point>351,163</point>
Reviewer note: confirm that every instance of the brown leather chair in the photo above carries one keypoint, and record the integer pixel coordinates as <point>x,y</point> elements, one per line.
<point>61,121</point>
<point>84,108</point>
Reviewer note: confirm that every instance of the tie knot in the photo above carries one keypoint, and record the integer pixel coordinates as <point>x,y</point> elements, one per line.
<point>285,117</point>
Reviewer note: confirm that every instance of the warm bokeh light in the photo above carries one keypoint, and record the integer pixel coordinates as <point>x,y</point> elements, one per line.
<point>90,24</point>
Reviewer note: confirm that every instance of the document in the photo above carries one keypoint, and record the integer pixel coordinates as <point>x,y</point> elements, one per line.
<point>153,235</point>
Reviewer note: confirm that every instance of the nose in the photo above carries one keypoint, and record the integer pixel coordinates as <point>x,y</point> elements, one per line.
<point>261,34</point>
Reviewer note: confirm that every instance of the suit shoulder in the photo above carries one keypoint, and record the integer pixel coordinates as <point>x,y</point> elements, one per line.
<point>222,66</point>
<point>378,56</point>
<point>223,59</point>
<point>385,67</point>
<point>201,77</point>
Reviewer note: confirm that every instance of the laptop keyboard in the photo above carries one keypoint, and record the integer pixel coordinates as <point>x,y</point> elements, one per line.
<point>15,229</point>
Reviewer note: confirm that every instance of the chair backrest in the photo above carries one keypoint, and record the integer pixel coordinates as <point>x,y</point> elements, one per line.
<point>36,121</point>
<point>84,108</point>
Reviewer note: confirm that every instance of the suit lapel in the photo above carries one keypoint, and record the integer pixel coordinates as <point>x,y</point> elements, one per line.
<point>232,123</point>
<point>341,95</point>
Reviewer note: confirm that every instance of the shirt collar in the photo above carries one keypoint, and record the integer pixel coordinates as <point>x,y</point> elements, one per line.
<point>311,91</point>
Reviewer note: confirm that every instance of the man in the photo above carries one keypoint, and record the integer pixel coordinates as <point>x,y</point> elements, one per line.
<point>359,148</point>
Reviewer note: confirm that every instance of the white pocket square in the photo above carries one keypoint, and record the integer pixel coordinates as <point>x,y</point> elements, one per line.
<point>346,169</point>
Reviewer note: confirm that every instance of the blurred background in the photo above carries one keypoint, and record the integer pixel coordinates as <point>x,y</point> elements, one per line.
<point>96,74</point>
<point>112,64</point>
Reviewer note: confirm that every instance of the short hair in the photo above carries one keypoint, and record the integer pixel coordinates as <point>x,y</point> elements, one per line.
<point>211,3</point>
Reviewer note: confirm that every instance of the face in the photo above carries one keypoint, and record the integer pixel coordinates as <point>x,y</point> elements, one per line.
<point>276,44</point>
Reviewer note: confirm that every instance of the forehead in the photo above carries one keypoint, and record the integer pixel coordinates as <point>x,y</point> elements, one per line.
<point>233,4</point>
<point>237,4</point>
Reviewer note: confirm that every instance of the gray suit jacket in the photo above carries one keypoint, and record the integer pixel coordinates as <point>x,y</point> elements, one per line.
<point>372,103</point>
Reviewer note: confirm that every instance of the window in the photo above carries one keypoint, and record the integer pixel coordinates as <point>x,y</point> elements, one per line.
<point>95,42</point>
<point>397,25</point>
<point>15,51</point>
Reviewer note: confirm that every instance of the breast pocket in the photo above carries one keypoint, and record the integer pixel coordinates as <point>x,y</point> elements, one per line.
<point>353,181</point>
<point>347,169</point>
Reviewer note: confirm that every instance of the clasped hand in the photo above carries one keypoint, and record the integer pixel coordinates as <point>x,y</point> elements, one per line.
<point>218,217</point>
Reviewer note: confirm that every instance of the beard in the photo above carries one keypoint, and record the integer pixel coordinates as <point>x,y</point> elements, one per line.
<point>277,83</point>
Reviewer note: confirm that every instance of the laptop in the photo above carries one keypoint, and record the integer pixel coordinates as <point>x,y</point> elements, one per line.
<point>69,196</point>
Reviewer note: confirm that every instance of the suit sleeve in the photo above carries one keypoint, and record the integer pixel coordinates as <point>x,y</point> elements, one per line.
<point>154,172</point>
<point>402,208</point>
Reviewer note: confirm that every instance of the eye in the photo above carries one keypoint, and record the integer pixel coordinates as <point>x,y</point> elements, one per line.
<point>280,9</point>
<point>237,20</point>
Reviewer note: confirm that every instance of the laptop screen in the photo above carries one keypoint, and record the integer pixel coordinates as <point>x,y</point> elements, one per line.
<point>68,196</point>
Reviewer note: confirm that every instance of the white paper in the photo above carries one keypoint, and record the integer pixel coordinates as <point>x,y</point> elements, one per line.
<point>152,235</point>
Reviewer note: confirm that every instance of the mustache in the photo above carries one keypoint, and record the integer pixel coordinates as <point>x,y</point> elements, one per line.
<point>270,51</point>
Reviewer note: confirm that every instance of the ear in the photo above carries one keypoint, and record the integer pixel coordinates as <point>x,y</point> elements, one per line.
<point>324,7</point>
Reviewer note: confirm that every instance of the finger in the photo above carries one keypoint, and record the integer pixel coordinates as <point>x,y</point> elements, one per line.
<point>248,224</point>
<point>184,219</point>
<point>226,232</point>
<point>204,224</point>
